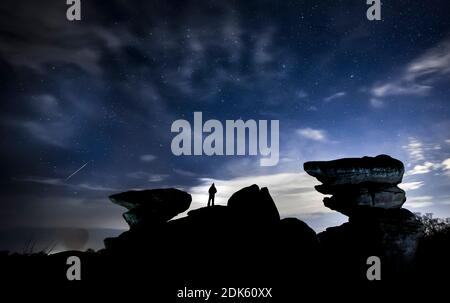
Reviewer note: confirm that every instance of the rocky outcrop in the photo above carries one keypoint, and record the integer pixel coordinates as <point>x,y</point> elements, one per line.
<point>152,206</point>
<point>243,241</point>
<point>254,204</point>
<point>365,189</point>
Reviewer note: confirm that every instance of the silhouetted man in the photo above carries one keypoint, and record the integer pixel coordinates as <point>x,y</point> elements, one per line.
<point>212,192</point>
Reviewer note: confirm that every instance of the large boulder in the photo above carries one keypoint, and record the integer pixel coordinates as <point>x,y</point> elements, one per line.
<point>254,204</point>
<point>379,169</point>
<point>152,205</point>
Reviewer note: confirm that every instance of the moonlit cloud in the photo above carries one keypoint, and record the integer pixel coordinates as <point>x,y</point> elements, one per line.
<point>407,186</point>
<point>424,168</point>
<point>434,63</point>
<point>335,96</point>
<point>313,134</point>
<point>392,89</point>
<point>419,75</point>
<point>376,103</point>
<point>147,158</point>
<point>415,150</point>
<point>446,166</point>
<point>149,177</point>
<point>419,202</point>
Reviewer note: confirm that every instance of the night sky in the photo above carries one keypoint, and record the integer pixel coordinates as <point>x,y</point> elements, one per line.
<point>105,90</point>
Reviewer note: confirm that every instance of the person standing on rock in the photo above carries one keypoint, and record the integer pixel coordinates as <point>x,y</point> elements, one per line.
<point>212,192</point>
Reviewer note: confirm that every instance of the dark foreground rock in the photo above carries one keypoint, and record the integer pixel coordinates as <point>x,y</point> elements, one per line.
<point>391,235</point>
<point>252,203</point>
<point>365,189</point>
<point>234,244</point>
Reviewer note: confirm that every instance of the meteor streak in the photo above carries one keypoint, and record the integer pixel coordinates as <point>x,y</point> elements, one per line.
<point>77,171</point>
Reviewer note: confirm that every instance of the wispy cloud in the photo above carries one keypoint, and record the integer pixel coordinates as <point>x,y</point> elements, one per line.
<point>399,88</point>
<point>415,149</point>
<point>51,124</point>
<point>313,134</point>
<point>376,103</point>
<point>406,186</point>
<point>147,158</point>
<point>424,168</point>
<point>301,94</point>
<point>183,172</point>
<point>433,63</point>
<point>425,158</point>
<point>149,177</point>
<point>419,76</point>
<point>335,96</point>
<point>63,183</point>
<point>419,202</point>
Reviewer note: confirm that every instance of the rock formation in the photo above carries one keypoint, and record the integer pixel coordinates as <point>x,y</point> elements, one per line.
<point>242,241</point>
<point>152,206</point>
<point>365,189</point>
<point>252,203</point>
<point>358,183</point>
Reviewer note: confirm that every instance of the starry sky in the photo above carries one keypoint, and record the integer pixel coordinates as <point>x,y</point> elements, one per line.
<point>102,93</point>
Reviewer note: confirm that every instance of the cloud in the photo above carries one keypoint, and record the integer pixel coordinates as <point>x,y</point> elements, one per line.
<point>335,96</point>
<point>446,166</point>
<point>61,182</point>
<point>419,202</point>
<point>376,103</point>
<point>425,158</point>
<point>433,63</point>
<point>301,94</point>
<point>424,168</point>
<point>44,45</point>
<point>191,59</point>
<point>394,89</point>
<point>96,187</point>
<point>313,134</point>
<point>293,193</point>
<point>50,123</point>
<point>406,186</point>
<point>147,158</point>
<point>147,176</point>
<point>419,75</point>
<point>185,173</point>
<point>42,180</point>
<point>415,149</point>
